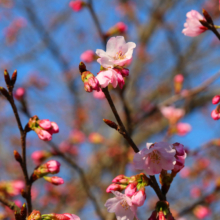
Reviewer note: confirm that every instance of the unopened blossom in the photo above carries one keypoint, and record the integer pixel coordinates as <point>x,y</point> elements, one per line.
<point>172,114</point>
<point>201,211</point>
<point>55,180</point>
<point>40,156</point>
<point>19,93</point>
<point>35,215</point>
<point>99,95</point>
<point>216,99</point>
<point>115,187</point>
<point>131,189</point>
<point>183,128</point>
<point>76,5</point>
<point>180,156</point>
<point>121,179</point>
<point>118,53</point>
<point>154,158</point>
<point>88,56</point>
<point>118,28</point>
<point>215,115</point>
<point>14,188</point>
<point>122,206</point>
<point>178,83</point>
<point>43,134</point>
<point>139,197</point>
<point>96,138</point>
<point>45,124</point>
<point>65,216</point>
<point>193,27</point>
<point>90,81</point>
<point>110,76</point>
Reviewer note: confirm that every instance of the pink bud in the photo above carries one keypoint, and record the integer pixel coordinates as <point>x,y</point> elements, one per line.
<point>19,93</point>
<point>125,72</point>
<point>139,197</point>
<point>183,128</point>
<point>54,128</point>
<point>39,156</point>
<point>45,124</point>
<point>118,178</point>
<point>216,99</point>
<point>94,83</point>
<point>99,95</point>
<point>88,56</point>
<point>87,87</point>
<point>122,27</point>
<point>215,115</point>
<point>121,81</point>
<point>115,187</point>
<point>76,5</point>
<point>53,166</point>
<point>153,216</point>
<point>43,134</point>
<point>131,189</point>
<point>179,78</point>
<point>55,180</point>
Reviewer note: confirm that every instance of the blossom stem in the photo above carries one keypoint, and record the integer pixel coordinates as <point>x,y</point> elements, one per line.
<point>122,129</point>
<point>156,188</point>
<point>9,204</point>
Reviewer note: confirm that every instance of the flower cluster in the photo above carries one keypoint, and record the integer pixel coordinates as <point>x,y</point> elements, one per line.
<point>44,128</point>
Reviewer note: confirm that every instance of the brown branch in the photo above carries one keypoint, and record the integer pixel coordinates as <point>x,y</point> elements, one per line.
<point>9,204</point>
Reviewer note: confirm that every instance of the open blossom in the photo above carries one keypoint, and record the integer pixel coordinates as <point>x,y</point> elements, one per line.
<point>154,158</point>
<point>122,206</point>
<point>172,114</point>
<point>118,53</point>
<point>193,27</point>
<point>180,156</point>
<point>112,76</point>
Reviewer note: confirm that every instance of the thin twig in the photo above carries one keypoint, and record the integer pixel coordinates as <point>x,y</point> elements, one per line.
<point>9,204</point>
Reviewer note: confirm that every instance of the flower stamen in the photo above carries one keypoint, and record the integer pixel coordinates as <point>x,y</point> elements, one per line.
<point>124,204</point>
<point>155,157</point>
<point>119,56</point>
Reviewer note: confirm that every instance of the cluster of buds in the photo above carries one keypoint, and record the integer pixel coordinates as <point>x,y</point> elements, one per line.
<point>90,81</point>
<point>134,187</point>
<point>36,215</point>
<point>216,112</point>
<point>44,128</point>
<point>161,212</point>
<point>51,167</point>
<point>118,28</point>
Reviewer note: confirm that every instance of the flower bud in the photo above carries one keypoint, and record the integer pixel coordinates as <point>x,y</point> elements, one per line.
<point>215,115</point>
<point>120,179</point>
<point>178,83</point>
<point>40,156</point>
<point>153,216</point>
<point>131,189</point>
<point>54,128</point>
<point>216,99</point>
<point>35,215</point>
<point>87,87</point>
<point>14,77</point>
<point>77,5</point>
<point>115,187</point>
<point>65,216</point>
<point>118,28</point>
<point>55,180</point>
<point>88,56</point>
<point>19,93</point>
<point>125,72</point>
<point>43,134</point>
<point>7,78</point>
<point>45,124</point>
<point>139,197</point>
<point>17,156</point>
<point>94,83</point>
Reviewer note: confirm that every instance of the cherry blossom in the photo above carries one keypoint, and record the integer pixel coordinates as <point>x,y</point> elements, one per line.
<point>112,76</point>
<point>193,27</point>
<point>122,206</point>
<point>183,128</point>
<point>155,157</point>
<point>88,56</point>
<point>118,53</point>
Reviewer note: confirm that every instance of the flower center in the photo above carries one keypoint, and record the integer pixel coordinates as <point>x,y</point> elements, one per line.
<point>124,204</point>
<point>155,157</point>
<point>119,56</point>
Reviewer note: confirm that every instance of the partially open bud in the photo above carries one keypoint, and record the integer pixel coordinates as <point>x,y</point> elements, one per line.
<point>115,187</point>
<point>90,82</point>
<point>139,197</point>
<point>131,189</point>
<point>55,180</point>
<point>65,216</point>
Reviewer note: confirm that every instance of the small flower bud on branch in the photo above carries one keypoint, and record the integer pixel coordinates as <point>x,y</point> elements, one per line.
<point>111,124</point>
<point>17,156</point>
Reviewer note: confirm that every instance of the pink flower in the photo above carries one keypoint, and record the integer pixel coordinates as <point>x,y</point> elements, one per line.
<point>45,124</point>
<point>43,134</point>
<point>201,211</point>
<point>55,180</point>
<point>179,78</point>
<point>172,114</point>
<point>185,173</point>
<point>183,128</point>
<point>122,206</point>
<point>54,128</point>
<point>125,72</point>
<point>215,115</point>
<point>76,5</point>
<point>192,26</point>
<point>19,93</point>
<point>121,179</point>
<point>39,156</point>
<point>139,197</point>
<point>155,157</point>
<point>118,52</point>
<point>216,99</point>
<point>112,76</point>
<point>131,189</point>
<point>15,187</point>
<point>88,56</point>
<point>53,166</point>
<point>99,95</point>
<point>180,157</point>
<point>65,216</point>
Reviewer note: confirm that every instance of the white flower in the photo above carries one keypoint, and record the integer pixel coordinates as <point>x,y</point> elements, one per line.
<point>118,53</point>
